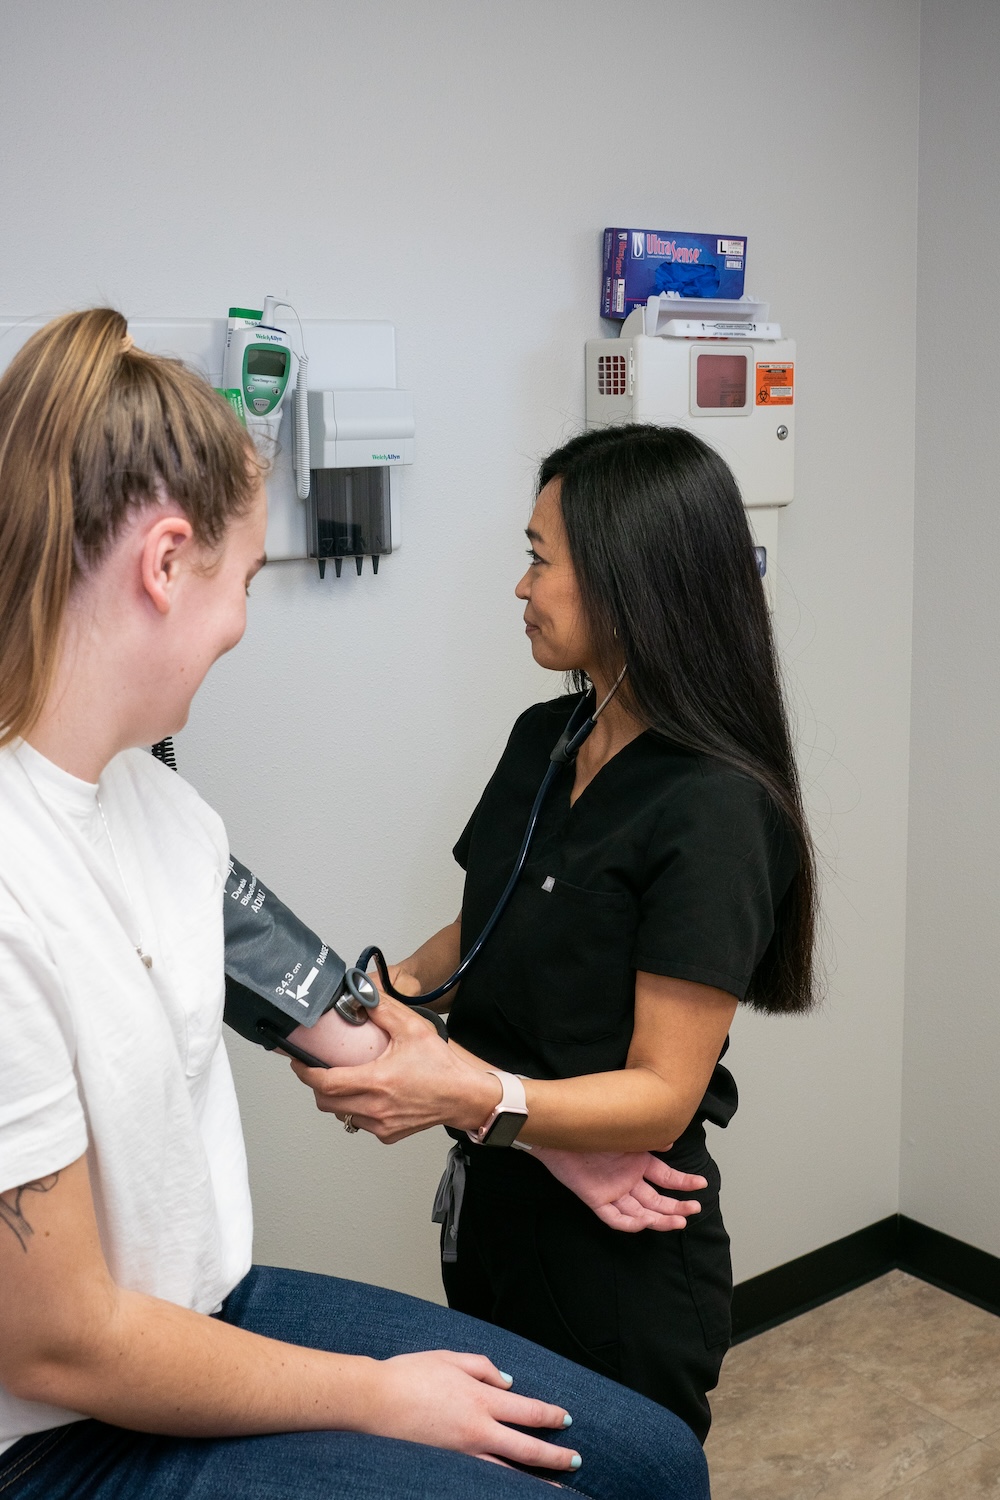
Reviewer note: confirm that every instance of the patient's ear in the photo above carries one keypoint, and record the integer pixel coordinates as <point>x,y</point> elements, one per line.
<point>167,544</point>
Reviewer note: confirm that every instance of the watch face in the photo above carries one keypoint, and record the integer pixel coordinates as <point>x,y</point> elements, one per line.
<point>505,1128</point>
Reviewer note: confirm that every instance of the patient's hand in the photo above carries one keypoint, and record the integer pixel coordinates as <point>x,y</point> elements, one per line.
<point>619,1186</point>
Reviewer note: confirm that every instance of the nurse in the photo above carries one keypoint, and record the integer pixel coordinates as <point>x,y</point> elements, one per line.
<point>671,879</point>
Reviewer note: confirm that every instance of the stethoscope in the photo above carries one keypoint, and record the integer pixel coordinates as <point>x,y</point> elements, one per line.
<point>361,995</point>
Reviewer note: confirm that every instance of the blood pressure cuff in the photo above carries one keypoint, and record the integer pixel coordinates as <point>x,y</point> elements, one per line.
<point>279,974</point>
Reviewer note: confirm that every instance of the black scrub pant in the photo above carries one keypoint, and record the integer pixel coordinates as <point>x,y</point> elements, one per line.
<point>650,1310</point>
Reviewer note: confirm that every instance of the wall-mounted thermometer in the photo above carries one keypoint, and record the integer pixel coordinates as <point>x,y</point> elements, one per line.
<point>258,362</point>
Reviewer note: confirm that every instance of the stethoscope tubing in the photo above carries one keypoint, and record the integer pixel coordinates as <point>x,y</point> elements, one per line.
<point>565,750</point>
<point>375,954</point>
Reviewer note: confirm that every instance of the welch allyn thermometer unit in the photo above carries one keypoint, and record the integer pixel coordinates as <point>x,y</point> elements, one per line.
<point>258,363</point>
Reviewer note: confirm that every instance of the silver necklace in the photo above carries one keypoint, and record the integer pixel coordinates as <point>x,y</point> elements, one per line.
<point>147,960</point>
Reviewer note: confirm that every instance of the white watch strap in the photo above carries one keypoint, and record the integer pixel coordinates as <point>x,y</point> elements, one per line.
<point>513,1091</point>
<point>523,1145</point>
<point>512,1098</point>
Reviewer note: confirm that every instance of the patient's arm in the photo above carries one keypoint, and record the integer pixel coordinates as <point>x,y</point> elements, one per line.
<point>71,1337</point>
<point>339,1044</point>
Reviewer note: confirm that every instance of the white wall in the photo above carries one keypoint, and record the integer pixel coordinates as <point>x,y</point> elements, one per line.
<point>951,1124</point>
<point>450,167</point>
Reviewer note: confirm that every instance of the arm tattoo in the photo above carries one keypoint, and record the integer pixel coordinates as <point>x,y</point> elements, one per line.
<point>11,1212</point>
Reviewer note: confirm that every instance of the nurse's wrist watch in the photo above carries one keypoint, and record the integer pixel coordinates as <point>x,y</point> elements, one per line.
<point>507,1119</point>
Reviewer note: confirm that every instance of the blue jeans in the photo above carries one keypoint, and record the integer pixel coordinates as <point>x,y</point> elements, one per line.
<point>631,1448</point>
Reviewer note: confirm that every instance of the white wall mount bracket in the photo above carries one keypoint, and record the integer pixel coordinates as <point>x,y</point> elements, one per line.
<point>343,356</point>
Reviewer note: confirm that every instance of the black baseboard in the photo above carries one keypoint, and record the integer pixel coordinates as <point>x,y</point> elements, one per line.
<point>971,1274</point>
<point>895,1243</point>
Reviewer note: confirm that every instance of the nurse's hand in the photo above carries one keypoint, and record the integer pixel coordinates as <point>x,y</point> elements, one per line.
<point>402,980</point>
<point>620,1187</point>
<point>418,1081</point>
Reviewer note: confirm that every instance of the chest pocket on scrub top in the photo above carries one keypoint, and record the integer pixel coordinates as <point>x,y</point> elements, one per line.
<point>571,979</point>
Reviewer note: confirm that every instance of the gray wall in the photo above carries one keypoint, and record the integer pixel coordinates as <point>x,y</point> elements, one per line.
<point>951,1124</point>
<point>449,167</point>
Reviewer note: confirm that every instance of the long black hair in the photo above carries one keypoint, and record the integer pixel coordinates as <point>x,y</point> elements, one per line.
<point>671,588</point>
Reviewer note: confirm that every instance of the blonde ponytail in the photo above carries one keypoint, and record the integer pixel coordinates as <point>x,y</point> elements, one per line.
<point>92,429</point>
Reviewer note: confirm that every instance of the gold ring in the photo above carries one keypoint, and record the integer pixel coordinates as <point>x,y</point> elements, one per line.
<point>349,1125</point>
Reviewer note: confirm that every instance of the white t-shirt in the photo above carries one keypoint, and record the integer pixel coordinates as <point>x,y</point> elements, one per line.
<point>99,1054</point>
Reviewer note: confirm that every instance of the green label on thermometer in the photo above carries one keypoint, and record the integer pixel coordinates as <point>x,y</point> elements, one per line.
<point>235,399</point>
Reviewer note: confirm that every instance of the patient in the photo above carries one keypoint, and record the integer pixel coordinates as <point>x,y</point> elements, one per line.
<point>140,1353</point>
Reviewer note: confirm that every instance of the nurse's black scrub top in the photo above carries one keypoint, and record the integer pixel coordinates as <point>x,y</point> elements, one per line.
<point>668,862</point>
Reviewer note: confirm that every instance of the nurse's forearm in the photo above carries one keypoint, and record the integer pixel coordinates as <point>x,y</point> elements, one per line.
<point>629,1110</point>
<point>437,959</point>
<point>679,1031</point>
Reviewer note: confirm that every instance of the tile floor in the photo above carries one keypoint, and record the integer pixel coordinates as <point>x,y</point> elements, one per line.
<point>892,1390</point>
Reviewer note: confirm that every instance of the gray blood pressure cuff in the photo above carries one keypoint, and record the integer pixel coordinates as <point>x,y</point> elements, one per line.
<point>279,974</point>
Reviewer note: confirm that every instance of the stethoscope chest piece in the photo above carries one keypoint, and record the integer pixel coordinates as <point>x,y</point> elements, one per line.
<point>360,997</point>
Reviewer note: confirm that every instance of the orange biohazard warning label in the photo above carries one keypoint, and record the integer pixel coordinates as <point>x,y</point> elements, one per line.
<point>775,384</point>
